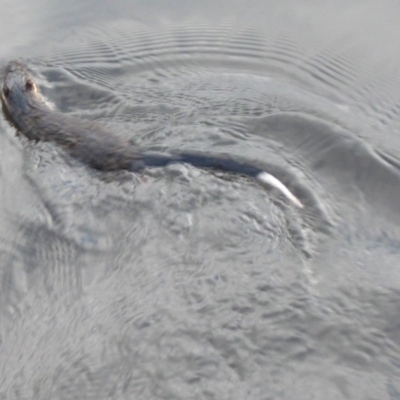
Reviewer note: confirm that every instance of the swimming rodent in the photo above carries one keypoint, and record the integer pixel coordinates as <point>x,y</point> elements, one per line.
<point>89,142</point>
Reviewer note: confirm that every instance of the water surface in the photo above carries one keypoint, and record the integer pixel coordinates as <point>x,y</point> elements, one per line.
<point>186,284</point>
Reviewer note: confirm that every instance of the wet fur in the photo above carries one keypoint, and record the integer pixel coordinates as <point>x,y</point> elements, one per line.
<point>90,143</point>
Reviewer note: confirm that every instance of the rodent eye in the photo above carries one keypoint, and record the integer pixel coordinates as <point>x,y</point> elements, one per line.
<point>29,85</point>
<point>6,91</point>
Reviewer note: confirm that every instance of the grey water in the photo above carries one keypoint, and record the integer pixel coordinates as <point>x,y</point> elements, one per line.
<point>188,284</point>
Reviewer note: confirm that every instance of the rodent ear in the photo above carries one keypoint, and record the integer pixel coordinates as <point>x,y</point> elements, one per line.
<point>29,85</point>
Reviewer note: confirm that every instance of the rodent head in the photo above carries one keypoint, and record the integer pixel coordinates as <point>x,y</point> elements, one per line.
<point>19,92</point>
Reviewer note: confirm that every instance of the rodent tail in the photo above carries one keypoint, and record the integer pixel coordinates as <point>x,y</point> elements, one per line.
<point>154,159</point>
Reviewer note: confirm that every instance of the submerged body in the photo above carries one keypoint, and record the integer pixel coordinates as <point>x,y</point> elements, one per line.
<point>90,143</point>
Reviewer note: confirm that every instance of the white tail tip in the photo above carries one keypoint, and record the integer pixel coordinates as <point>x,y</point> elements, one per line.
<point>268,179</point>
